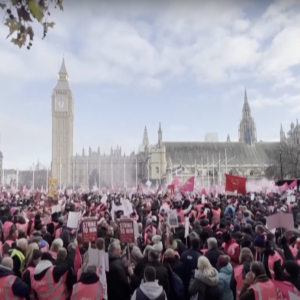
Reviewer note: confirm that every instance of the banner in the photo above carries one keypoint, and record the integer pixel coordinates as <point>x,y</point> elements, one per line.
<point>126,231</point>
<point>52,186</point>
<point>235,183</point>
<point>89,230</point>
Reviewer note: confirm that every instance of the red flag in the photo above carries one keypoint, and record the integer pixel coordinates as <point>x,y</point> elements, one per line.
<point>77,260</point>
<point>171,188</point>
<point>283,188</point>
<point>293,184</point>
<point>188,186</point>
<point>235,183</point>
<point>203,191</point>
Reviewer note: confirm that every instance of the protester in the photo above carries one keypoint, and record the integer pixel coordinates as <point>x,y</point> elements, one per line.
<point>205,282</point>
<point>225,277</point>
<point>11,284</point>
<point>149,289</point>
<point>213,252</point>
<point>257,284</point>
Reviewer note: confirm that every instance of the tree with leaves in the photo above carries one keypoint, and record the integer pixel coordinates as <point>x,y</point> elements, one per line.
<point>290,159</point>
<point>20,14</point>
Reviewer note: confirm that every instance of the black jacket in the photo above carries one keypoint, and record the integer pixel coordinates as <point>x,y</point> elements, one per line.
<point>213,255</point>
<point>176,266</point>
<point>189,259</point>
<point>118,286</point>
<point>162,276</point>
<point>19,288</point>
<point>71,277</point>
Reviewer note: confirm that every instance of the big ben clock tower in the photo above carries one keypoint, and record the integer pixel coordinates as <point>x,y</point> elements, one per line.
<point>62,128</point>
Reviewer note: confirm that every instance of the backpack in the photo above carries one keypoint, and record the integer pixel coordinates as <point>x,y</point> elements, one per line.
<point>177,284</point>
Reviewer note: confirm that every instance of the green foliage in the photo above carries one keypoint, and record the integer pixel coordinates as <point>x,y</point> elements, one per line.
<point>20,14</point>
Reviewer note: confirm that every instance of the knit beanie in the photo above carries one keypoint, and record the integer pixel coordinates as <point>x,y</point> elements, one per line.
<point>260,242</point>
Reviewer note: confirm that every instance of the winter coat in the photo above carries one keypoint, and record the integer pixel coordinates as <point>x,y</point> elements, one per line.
<point>151,290</point>
<point>190,260</point>
<point>213,255</point>
<point>117,277</point>
<point>161,275</point>
<point>225,275</point>
<point>206,287</point>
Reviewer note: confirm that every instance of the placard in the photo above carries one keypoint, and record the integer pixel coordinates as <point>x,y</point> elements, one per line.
<point>52,186</point>
<point>126,231</point>
<point>89,230</point>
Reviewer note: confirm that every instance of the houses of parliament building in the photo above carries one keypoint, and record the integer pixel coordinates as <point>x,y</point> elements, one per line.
<point>159,161</point>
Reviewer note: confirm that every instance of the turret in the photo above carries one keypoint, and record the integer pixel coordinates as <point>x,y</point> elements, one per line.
<point>159,136</point>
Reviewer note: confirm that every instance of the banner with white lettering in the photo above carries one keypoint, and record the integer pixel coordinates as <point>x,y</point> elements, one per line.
<point>89,230</point>
<point>126,231</point>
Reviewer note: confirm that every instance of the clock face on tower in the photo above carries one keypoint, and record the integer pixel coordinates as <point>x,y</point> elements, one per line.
<point>61,103</point>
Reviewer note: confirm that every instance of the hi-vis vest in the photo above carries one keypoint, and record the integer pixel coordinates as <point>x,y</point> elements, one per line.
<point>238,276</point>
<point>21,257</point>
<point>87,291</point>
<point>264,290</point>
<point>31,272</point>
<point>271,261</point>
<point>6,283</point>
<point>47,289</point>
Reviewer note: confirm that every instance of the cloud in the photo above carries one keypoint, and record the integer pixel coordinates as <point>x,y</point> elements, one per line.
<point>210,48</point>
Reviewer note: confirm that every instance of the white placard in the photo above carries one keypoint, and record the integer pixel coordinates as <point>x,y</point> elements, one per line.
<point>73,219</point>
<point>186,227</point>
<point>172,217</point>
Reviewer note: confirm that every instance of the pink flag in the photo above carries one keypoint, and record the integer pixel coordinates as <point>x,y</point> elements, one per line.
<point>293,184</point>
<point>188,186</point>
<point>77,260</point>
<point>283,188</point>
<point>203,191</point>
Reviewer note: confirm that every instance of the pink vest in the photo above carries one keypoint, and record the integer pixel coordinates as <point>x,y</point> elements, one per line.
<point>264,290</point>
<point>232,249</point>
<point>24,227</point>
<point>47,289</point>
<point>58,232</point>
<point>31,271</point>
<point>6,283</point>
<point>271,260</point>
<point>204,250</point>
<point>87,291</point>
<point>216,214</point>
<point>80,272</point>
<point>238,275</point>
<point>53,254</point>
<point>284,288</point>
<point>6,228</point>
<point>293,250</point>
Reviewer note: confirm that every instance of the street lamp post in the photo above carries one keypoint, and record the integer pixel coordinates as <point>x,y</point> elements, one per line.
<point>281,170</point>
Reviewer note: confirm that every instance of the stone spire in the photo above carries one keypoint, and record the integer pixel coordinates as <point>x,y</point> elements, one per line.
<point>282,134</point>
<point>228,138</point>
<point>63,74</point>
<point>159,135</point>
<point>83,152</point>
<point>145,138</point>
<point>98,150</point>
<point>247,128</point>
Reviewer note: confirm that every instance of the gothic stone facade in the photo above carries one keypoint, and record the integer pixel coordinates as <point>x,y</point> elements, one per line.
<point>116,170</point>
<point>209,161</point>
<point>1,168</point>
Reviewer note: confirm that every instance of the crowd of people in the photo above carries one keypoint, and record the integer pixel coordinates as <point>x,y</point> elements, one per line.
<point>220,248</point>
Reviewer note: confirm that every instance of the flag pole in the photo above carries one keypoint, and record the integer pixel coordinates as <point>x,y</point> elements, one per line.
<point>47,179</point>
<point>207,176</point>
<point>213,170</point>
<point>74,169</point>
<point>87,172</point>
<point>99,172</point>
<point>226,161</point>
<point>181,171</point>
<point>202,175</point>
<point>219,169</point>
<point>33,176</point>
<point>124,173</point>
<point>17,183</point>
<point>136,177</point>
<point>111,173</point>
